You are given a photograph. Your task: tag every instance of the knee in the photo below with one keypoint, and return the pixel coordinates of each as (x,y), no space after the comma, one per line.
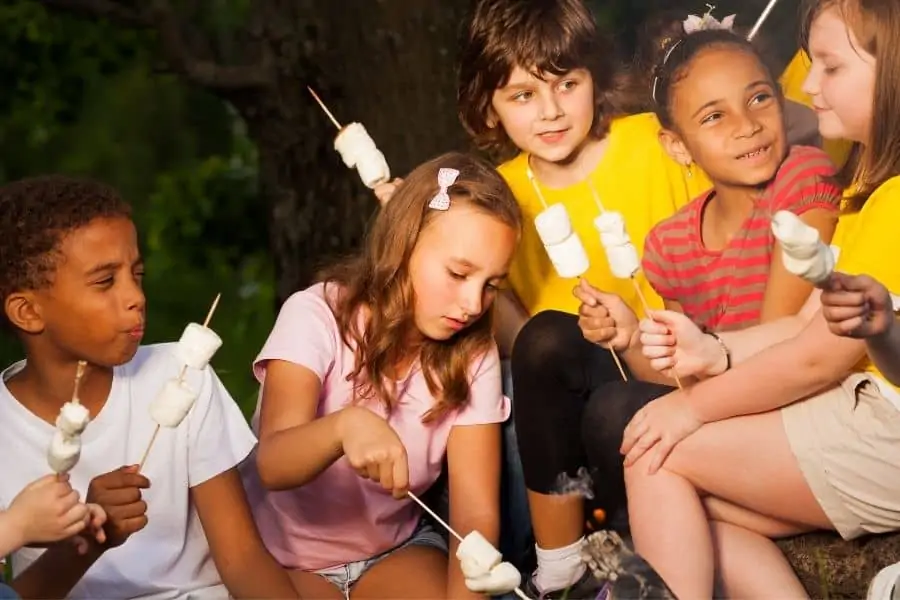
(546,338)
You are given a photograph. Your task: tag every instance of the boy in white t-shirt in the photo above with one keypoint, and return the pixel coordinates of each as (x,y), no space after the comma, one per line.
(70,283)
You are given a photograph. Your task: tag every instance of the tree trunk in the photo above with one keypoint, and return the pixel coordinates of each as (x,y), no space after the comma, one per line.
(388,65)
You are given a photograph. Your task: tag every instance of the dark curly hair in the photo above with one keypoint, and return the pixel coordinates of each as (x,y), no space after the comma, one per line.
(35,214)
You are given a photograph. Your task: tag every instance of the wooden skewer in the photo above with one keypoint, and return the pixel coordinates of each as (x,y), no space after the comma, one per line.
(761,20)
(181,375)
(79,373)
(446,526)
(649,314)
(325,108)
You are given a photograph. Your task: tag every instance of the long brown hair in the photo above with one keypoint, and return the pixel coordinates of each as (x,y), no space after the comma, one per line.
(876,26)
(542,37)
(375,303)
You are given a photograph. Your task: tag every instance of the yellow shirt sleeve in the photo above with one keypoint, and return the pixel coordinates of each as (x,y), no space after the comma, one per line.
(636,178)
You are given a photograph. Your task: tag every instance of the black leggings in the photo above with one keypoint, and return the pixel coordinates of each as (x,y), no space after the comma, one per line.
(571,407)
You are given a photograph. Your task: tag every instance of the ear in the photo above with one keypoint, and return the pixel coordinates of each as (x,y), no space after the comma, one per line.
(675,148)
(24,312)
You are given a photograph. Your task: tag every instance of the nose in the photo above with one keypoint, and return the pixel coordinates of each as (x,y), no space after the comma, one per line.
(472,301)
(748,126)
(811,83)
(134,296)
(550,106)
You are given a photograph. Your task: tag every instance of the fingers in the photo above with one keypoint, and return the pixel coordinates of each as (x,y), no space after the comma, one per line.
(132,525)
(661,452)
(118,497)
(844,299)
(76,512)
(400,476)
(640,447)
(651,327)
(118,514)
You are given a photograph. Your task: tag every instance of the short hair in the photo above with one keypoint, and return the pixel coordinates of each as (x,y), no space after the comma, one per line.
(541,36)
(35,215)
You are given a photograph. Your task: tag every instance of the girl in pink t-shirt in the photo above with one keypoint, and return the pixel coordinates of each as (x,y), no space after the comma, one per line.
(372,376)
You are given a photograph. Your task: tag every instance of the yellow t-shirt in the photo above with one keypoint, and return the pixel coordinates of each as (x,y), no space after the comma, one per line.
(792,85)
(869,244)
(636,178)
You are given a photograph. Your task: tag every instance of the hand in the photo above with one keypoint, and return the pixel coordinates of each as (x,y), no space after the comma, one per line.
(604,318)
(93,535)
(47,510)
(659,426)
(671,341)
(384,191)
(374,450)
(857,306)
(119,494)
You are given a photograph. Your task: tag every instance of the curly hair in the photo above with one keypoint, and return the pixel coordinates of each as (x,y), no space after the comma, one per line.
(376,283)
(35,214)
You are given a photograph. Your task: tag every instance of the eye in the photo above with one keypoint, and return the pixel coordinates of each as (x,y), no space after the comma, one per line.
(106,282)
(568,84)
(523,96)
(711,118)
(761,98)
(454,275)
(830,70)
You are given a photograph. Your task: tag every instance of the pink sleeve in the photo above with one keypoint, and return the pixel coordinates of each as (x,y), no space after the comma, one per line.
(487,404)
(305,333)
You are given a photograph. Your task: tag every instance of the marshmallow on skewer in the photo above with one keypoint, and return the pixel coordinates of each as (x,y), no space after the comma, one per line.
(65,446)
(358,150)
(172,404)
(64,452)
(481,564)
(197,346)
(802,250)
(563,245)
(620,252)
(502,579)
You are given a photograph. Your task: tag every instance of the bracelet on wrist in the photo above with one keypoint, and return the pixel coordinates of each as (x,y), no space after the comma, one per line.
(724,349)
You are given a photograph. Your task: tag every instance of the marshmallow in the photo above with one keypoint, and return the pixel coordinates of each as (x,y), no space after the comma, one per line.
(197,346)
(64,452)
(72,419)
(358,150)
(621,254)
(563,245)
(477,556)
(802,251)
(172,404)
(502,579)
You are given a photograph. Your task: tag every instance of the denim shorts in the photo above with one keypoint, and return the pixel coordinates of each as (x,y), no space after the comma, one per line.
(345,576)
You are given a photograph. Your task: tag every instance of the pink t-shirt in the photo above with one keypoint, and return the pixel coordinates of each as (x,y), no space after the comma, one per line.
(340,517)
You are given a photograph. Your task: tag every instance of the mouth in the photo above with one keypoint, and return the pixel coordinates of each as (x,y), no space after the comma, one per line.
(554,136)
(136,332)
(455,324)
(758,153)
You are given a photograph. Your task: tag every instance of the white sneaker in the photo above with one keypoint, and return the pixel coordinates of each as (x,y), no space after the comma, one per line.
(886,584)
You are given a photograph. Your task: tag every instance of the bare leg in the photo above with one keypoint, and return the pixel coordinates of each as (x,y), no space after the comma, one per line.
(310,585)
(746,461)
(413,572)
(751,566)
(557,520)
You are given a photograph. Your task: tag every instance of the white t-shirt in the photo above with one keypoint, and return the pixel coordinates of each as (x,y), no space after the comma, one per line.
(170,557)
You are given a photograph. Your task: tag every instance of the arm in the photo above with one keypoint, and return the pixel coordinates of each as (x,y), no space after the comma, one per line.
(781,375)
(510,317)
(11,536)
(288,424)
(56,572)
(786,293)
(247,568)
(473,467)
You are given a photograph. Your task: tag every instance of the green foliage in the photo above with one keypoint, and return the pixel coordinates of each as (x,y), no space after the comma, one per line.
(83,98)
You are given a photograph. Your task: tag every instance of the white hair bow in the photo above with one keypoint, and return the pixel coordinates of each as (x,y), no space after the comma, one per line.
(446,178)
(694,23)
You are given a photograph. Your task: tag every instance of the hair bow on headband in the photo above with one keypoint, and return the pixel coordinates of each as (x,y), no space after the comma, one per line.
(446,178)
(694,23)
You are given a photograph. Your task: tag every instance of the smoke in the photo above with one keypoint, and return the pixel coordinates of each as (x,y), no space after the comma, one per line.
(580,485)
